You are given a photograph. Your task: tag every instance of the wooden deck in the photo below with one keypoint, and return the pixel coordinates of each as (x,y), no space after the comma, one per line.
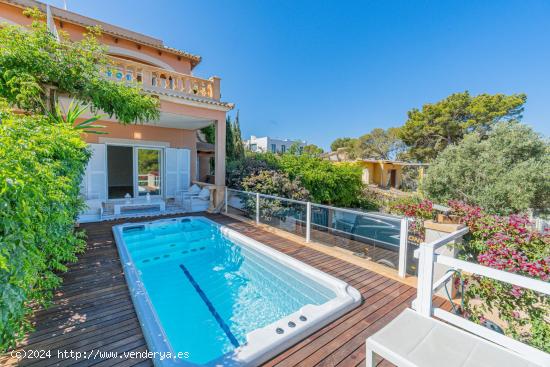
(93,309)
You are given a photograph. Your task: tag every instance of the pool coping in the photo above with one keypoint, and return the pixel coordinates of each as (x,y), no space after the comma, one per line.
(257,349)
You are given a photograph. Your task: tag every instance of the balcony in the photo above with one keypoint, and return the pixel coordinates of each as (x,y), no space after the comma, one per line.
(155,79)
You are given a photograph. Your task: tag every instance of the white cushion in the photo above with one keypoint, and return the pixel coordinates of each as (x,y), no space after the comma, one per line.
(204,194)
(195,189)
(415,340)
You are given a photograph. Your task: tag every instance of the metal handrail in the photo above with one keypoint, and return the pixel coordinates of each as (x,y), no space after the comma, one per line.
(403,225)
(358,212)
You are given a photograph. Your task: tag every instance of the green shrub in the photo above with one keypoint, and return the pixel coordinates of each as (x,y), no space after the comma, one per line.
(328,183)
(41,166)
(253,164)
(277,184)
(506,172)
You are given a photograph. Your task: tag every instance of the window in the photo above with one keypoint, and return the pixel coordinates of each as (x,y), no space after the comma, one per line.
(253,147)
(273,148)
(283,148)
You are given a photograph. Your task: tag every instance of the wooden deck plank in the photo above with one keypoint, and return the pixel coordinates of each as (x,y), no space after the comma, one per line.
(93,309)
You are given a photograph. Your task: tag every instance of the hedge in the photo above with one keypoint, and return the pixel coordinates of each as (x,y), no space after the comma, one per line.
(41,167)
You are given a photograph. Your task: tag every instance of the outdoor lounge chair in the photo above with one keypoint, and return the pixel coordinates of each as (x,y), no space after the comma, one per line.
(418,338)
(200,202)
(194,190)
(414,340)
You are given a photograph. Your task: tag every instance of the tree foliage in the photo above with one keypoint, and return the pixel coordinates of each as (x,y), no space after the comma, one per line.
(251,165)
(377,144)
(33,64)
(272,182)
(327,183)
(382,144)
(352,147)
(506,171)
(312,150)
(238,145)
(234,147)
(41,166)
(276,183)
(229,140)
(429,131)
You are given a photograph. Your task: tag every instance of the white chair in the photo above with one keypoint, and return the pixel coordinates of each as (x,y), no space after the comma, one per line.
(94,205)
(194,190)
(200,202)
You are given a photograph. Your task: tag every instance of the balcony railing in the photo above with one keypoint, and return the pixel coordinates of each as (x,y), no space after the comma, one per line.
(152,77)
(377,237)
(428,285)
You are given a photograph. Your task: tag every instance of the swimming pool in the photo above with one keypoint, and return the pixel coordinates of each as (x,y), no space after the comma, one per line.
(217,297)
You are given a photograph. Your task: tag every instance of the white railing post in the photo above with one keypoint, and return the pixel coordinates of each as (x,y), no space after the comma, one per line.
(308,221)
(226,199)
(403,236)
(425,279)
(257,208)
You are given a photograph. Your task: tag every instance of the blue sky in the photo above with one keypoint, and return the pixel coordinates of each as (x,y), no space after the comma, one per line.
(318,70)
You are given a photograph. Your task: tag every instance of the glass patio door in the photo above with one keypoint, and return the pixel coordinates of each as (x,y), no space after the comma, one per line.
(148,170)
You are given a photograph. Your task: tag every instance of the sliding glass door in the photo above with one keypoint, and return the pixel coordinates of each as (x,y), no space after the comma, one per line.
(134,171)
(148,169)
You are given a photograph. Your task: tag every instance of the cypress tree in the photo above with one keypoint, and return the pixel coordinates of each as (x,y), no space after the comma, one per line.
(238,146)
(229,140)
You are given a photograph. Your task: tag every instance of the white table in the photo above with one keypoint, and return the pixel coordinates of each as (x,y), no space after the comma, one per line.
(160,203)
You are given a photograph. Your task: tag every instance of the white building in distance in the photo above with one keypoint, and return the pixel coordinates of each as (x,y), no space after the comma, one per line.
(273,145)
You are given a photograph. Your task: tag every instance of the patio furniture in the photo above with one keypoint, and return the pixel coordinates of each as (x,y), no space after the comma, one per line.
(183,195)
(414,340)
(139,203)
(94,207)
(200,202)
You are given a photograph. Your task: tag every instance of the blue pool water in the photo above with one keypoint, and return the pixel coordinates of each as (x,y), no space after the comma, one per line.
(209,292)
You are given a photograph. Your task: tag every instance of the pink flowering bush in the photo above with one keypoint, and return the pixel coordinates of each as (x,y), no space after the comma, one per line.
(419,211)
(507,243)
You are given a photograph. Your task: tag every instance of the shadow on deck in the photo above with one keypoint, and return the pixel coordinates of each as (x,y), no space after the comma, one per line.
(93,310)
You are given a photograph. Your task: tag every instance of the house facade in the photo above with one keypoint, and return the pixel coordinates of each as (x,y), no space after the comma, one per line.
(158,158)
(273,145)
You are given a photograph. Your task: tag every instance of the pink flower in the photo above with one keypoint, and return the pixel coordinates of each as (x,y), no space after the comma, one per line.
(516,291)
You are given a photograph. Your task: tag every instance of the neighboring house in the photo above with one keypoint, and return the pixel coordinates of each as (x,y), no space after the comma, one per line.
(383,173)
(386,173)
(158,157)
(272,145)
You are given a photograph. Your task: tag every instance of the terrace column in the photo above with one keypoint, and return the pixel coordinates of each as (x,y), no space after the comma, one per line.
(219,180)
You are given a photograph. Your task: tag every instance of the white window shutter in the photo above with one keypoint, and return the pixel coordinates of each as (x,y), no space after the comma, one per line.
(177,171)
(171,172)
(185,167)
(96,173)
